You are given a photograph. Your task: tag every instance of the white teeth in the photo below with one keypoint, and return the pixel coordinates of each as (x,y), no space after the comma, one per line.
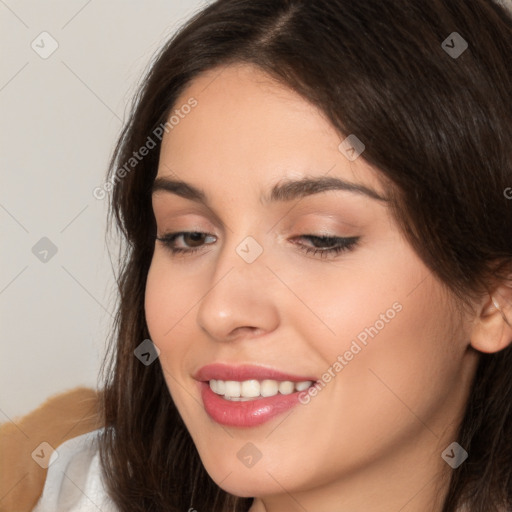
(213,386)
(250,388)
(269,388)
(221,387)
(286,387)
(302,386)
(242,391)
(233,388)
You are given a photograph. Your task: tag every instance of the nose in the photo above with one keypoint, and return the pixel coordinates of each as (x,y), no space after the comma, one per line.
(240,298)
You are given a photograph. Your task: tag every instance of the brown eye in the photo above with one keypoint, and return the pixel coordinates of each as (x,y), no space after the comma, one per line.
(193,241)
(193,238)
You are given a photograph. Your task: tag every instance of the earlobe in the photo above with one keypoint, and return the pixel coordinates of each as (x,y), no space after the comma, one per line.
(492,330)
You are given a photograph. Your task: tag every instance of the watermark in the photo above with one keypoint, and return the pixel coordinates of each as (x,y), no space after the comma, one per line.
(344,359)
(44,250)
(351,147)
(454,45)
(249,455)
(44,45)
(508,193)
(249,249)
(454,455)
(147,352)
(150,143)
(45,455)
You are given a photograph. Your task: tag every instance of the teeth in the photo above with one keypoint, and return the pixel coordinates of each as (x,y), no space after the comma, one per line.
(221,387)
(269,388)
(249,389)
(286,387)
(302,386)
(233,388)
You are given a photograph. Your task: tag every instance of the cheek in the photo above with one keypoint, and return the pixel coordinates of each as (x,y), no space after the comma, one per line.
(165,303)
(165,311)
(405,370)
(367,298)
(156,302)
(400,359)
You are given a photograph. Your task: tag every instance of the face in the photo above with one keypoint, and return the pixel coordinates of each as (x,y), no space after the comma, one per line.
(317,284)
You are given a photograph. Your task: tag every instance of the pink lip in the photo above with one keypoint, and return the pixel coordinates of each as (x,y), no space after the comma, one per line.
(245,372)
(250,413)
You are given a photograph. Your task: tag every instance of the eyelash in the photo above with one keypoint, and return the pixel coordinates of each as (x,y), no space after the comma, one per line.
(343,244)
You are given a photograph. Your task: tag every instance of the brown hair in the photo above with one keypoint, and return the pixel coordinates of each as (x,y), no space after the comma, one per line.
(437,127)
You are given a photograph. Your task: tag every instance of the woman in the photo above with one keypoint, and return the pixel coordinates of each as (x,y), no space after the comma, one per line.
(316,295)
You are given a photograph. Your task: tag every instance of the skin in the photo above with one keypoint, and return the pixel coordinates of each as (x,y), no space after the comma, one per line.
(372,438)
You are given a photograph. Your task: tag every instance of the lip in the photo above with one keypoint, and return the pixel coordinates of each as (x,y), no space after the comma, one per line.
(221,371)
(250,413)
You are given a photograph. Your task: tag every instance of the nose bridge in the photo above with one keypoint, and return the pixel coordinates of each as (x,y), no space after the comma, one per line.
(239,295)
(243,251)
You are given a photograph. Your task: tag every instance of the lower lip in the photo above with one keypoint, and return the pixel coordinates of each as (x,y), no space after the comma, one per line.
(250,413)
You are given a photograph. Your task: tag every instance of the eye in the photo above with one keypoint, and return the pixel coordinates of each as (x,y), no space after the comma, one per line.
(192,237)
(329,245)
(325,246)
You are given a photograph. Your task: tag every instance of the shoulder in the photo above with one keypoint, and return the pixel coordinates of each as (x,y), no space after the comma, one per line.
(75,482)
(27,443)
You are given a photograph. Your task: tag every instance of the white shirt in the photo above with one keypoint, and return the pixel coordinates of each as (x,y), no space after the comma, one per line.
(74,480)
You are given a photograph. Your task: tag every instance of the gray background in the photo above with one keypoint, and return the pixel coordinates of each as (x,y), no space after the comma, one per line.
(60,118)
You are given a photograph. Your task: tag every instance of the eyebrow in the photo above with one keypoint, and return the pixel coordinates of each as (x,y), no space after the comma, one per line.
(285,191)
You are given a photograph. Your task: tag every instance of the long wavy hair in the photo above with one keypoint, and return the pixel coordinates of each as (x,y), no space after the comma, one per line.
(438,128)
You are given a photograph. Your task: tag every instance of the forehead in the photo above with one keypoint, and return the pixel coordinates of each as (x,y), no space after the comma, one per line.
(249,129)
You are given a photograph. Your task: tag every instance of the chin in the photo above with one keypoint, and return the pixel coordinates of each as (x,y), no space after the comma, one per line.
(244,488)
(244,483)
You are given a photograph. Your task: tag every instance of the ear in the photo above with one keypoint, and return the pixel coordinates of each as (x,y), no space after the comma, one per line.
(492,329)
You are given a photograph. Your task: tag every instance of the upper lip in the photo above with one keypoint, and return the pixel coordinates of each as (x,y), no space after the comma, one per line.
(221,371)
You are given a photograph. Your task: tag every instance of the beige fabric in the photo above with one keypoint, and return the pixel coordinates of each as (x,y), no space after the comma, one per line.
(61,417)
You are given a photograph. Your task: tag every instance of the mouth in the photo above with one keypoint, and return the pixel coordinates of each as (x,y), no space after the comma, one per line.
(248,395)
(254,389)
